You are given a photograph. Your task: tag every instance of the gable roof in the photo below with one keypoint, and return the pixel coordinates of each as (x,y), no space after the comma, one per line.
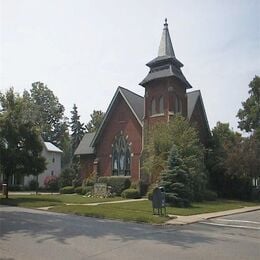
(51,147)
(85,145)
(192,98)
(135,103)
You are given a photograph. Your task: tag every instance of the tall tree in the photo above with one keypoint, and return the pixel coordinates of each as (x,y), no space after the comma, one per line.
(20,146)
(49,113)
(96,120)
(230,169)
(249,115)
(77,128)
(177,132)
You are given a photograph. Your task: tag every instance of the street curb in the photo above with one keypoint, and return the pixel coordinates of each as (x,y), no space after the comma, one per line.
(185,220)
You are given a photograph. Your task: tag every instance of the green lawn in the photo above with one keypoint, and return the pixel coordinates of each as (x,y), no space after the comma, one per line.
(138,211)
(42,200)
(141,211)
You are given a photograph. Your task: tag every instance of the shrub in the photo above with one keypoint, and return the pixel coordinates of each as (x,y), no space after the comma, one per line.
(118,184)
(141,186)
(210,195)
(67,190)
(78,190)
(87,190)
(130,194)
(15,188)
(33,185)
(150,195)
(66,177)
(51,183)
(90,181)
(176,201)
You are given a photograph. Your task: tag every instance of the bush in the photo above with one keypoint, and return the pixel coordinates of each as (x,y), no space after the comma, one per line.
(176,201)
(118,184)
(67,190)
(66,177)
(150,195)
(87,190)
(210,195)
(15,188)
(78,190)
(131,194)
(141,186)
(33,185)
(90,181)
(51,183)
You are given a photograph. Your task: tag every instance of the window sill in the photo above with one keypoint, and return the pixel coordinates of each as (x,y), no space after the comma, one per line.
(156,115)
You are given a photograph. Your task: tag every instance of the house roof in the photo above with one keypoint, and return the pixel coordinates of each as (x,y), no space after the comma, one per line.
(192,98)
(52,148)
(85,144)
(135,103)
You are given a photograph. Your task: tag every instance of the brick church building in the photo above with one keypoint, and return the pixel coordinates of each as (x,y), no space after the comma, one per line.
(116,148)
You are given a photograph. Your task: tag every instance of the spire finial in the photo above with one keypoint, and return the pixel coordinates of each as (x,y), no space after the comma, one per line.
(165,22)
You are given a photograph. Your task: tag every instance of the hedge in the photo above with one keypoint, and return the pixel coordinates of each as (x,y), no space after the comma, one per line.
(78,190)
(131,194)
(118,184)
(67,190)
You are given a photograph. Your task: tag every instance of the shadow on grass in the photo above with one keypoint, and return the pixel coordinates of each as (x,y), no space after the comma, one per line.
(30,201)
(47,226)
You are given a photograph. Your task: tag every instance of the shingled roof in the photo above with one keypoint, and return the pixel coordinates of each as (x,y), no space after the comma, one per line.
(84,145)
(135,103)
(192,98)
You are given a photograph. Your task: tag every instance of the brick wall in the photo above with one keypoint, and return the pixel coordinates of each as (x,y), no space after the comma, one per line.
(120,119)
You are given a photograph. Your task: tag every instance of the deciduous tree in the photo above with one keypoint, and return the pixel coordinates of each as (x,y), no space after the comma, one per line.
(20,145)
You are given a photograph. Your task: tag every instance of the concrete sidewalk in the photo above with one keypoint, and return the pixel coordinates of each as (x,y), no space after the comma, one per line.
(183,220)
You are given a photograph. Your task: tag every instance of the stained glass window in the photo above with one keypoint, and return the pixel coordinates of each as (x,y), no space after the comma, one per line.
(121,159)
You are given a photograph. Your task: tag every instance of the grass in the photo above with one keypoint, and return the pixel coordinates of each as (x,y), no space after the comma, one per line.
(138,211)
(42,200)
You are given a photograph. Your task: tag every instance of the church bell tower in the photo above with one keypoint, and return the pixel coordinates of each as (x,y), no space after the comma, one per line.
(165,85)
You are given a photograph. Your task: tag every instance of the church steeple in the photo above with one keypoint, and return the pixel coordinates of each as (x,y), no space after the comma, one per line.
(165,48)
(165,65)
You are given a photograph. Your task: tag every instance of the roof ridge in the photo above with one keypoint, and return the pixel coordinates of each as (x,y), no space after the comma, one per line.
(130,91)
(197,90)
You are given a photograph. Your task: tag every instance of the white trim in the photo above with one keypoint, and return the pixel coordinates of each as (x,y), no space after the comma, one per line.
(158,114)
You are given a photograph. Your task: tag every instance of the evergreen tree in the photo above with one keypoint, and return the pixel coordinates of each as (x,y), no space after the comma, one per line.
(180,133)
(96,120)
(77,128)
(176,180)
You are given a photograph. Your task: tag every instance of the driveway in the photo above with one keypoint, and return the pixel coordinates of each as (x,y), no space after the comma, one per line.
(33,234)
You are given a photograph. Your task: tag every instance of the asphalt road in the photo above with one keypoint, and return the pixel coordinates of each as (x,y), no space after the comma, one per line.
(32,234)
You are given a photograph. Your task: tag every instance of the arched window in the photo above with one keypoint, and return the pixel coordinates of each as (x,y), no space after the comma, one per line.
(176,109)
(121,159)
(153,107)
(180,106)
(161,105)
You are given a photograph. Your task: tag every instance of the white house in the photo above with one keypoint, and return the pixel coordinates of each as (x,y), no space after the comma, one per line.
(52,154)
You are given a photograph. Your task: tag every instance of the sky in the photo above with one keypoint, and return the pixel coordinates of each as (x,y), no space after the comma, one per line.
(83,50)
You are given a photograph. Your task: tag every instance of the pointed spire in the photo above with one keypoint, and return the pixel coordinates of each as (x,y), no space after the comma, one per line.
(165,48)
